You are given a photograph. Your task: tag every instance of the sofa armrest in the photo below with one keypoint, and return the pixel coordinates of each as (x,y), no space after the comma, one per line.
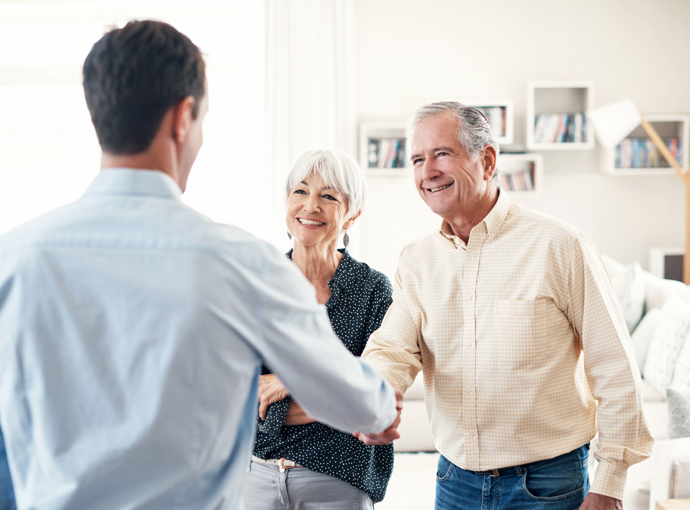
(680,479)
(664,456)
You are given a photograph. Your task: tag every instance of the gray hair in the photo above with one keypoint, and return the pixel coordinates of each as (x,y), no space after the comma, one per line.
(474,132)
(338,171)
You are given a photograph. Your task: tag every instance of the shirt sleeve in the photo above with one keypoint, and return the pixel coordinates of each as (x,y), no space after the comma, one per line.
(394,347)
(612,375)
(275,417)
(7,501)
(296,340)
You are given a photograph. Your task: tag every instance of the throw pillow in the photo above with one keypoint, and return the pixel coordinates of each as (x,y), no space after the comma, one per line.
(670,333)
(657,290)
(643,334)
(629,287)
(678,402)
(681,375)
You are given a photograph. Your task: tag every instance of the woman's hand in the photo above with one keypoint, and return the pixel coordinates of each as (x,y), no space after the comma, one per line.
(270,390)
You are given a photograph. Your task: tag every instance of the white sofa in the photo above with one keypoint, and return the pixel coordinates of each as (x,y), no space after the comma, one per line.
(666,474)
(414,429)
(658,314)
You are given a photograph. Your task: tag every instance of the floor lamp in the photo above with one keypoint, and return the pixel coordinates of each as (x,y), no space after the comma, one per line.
(612,123)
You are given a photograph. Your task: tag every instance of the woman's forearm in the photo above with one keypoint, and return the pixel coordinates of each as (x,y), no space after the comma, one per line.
(297,416)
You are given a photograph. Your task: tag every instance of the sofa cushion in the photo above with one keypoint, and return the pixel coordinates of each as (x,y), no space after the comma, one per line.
(678,402)
(669,335)
(415,431)
(629,286)
(643,334)
(649,394)
(681,375)
(658,290)
(656,416)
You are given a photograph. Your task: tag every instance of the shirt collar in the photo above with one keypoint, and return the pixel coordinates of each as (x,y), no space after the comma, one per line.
(493,222)
(129,181)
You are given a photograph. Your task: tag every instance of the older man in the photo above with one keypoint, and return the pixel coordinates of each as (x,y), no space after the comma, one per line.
(512,316)
(133,329)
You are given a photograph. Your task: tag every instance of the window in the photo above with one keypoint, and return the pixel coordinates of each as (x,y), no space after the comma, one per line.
(48,148)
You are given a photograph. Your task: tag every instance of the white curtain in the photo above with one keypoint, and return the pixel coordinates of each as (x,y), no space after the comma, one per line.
(310,88)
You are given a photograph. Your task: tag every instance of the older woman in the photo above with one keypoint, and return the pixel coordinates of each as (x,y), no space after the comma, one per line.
(299,463)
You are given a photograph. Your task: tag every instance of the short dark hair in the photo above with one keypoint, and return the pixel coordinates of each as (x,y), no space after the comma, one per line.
(133,75)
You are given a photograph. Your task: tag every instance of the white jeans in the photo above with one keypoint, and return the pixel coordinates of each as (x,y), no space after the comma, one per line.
(266,488)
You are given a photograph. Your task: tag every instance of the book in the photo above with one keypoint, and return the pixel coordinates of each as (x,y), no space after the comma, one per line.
(384,148)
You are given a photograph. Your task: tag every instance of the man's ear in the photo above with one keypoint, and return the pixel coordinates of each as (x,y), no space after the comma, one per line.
(489,159)
(182,119)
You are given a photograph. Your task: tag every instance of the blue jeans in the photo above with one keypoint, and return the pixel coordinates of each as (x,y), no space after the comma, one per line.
(6,490)
(560,483)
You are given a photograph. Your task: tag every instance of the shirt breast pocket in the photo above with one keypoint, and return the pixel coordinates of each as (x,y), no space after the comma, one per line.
(528,332)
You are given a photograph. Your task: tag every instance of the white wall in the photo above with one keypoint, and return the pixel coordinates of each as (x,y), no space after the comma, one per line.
(411,52)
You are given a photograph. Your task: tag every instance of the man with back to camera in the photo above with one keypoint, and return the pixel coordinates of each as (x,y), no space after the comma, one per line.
(512,316)
(132,329)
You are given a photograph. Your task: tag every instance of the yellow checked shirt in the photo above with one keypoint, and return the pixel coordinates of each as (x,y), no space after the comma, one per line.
(523,346)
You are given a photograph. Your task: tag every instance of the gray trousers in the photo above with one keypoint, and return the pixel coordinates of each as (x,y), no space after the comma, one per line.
(266,488)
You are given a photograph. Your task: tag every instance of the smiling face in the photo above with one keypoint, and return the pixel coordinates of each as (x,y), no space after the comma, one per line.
(452,185)
(316,213)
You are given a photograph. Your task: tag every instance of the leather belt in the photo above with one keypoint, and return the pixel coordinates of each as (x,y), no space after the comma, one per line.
(282,463)
(513,470)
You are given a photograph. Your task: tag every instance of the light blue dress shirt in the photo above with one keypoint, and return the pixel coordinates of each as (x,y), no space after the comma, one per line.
(132,330)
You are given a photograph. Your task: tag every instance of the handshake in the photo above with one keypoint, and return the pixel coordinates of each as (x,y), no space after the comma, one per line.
(391,433)
(271,390)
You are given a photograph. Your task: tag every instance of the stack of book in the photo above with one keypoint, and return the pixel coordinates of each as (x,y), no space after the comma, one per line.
(386,153)
(496,116)
(642,153)
(560,128)
(516,181)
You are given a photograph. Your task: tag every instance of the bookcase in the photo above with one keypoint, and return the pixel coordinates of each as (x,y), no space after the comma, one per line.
(637,155)
(383,148)
(521,174)
(500,115)
(556,115)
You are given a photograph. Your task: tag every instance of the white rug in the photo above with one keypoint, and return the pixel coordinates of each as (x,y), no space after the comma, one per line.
(413,484)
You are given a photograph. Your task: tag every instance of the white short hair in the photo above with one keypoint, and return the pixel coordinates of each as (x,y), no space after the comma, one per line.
(338,170)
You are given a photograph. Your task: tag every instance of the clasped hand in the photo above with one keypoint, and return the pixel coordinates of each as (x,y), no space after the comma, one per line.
(271,390)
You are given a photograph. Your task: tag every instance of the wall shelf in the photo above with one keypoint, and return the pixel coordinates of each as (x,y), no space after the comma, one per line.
(521,175)
(638,156)
(500,114)
(556,115)
(383,148)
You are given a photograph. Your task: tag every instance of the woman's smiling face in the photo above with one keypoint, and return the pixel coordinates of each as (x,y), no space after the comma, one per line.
(316,213)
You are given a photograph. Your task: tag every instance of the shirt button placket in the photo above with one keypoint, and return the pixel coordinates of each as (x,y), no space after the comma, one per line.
(469,406)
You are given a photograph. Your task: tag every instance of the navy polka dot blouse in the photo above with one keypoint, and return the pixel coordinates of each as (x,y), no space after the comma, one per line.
(361,296)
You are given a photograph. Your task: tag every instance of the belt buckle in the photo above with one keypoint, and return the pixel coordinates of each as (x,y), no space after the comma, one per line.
(283,466)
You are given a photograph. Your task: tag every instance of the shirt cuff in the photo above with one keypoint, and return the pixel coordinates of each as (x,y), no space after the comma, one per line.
(275,417)
(609,479)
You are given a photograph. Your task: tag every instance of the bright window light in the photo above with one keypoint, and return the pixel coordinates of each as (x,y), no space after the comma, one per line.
(48,148)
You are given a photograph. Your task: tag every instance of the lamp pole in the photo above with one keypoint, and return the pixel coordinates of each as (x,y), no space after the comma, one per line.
(685,178)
